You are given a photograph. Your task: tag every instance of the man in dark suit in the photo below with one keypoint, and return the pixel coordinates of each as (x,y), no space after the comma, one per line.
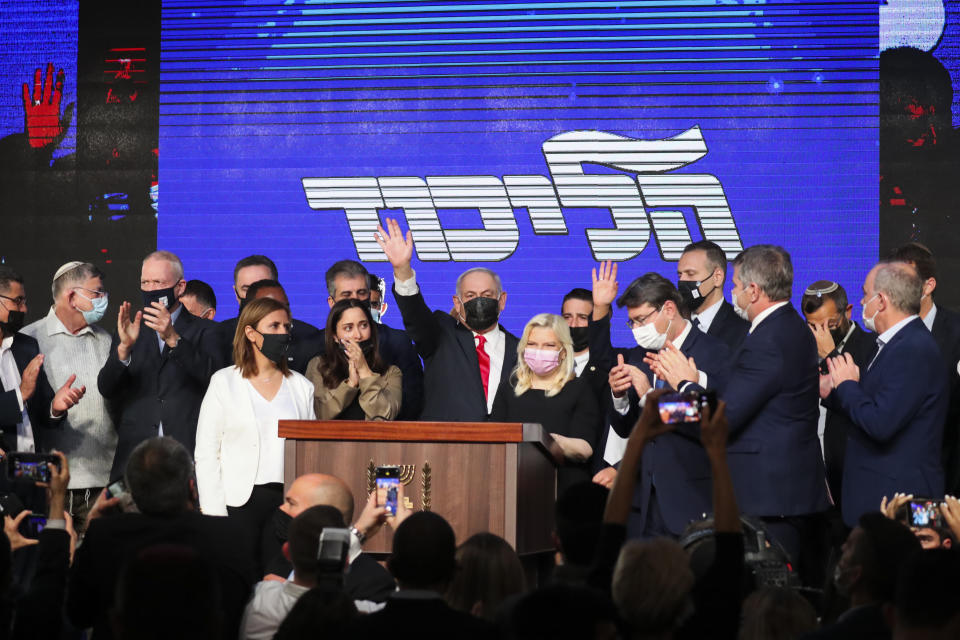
(944,324)
(897,405)
(350,279)
(160,362)
(161,482)
(423,562)
(465,358)
(577,309)
(28,404)
(827,311)
(771,396)
(702,270)
(307,340)
(674,486)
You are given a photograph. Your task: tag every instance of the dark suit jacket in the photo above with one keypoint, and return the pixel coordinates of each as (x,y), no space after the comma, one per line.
(728,327)
(396,349)
(772,395)
(157,386)
(25,349)
(38,609)
(595,374)
(307,343)
(453,389)
(862,623)
(111,540)
(898,410)
(946,331)
(675,464)
(862,346)
(422,618)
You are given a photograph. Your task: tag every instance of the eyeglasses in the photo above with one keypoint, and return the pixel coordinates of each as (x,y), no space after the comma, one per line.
(97,293)
(632,324)
(18,301)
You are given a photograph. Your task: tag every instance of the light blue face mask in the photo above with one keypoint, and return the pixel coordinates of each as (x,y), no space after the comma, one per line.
(375,314)
(99,308)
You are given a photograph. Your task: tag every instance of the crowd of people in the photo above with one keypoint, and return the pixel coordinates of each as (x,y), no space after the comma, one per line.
(745,469)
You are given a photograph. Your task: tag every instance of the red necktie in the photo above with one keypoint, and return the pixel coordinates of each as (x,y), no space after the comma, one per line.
(484,361)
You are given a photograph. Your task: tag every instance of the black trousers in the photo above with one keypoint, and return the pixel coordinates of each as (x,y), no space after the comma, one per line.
(251,517)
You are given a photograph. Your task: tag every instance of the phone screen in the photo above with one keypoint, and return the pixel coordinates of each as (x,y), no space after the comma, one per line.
(33,470)
(676,408)
(924,513)
(388,481)
(116,489)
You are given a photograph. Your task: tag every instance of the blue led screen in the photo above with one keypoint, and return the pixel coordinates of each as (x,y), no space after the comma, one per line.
(534,138)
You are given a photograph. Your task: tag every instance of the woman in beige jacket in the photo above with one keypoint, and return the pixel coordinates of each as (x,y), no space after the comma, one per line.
(351,381)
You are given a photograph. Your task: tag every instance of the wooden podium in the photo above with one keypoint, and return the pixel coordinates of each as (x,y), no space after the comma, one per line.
(480,476)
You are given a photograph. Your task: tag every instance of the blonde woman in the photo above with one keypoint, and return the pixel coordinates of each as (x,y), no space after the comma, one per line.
(239,456)
(544,389)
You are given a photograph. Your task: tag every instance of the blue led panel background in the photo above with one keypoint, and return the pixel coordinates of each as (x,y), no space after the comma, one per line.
(438,112)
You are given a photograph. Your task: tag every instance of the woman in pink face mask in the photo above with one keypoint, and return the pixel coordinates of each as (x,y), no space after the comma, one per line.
(544,389)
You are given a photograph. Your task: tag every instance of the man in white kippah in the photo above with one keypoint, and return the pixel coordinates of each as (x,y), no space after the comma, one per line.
(73,344)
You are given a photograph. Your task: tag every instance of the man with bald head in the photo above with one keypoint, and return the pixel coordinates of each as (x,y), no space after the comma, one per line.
(365,578)
(307,339)
(898,404)
(160,362)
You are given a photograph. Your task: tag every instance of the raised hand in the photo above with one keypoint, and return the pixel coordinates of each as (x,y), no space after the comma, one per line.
(605,288)
(67,396)
(127,330)
(157,317)
(11,526)
(42,109)
(397,247)
(950,509)
(649,425)
(890,507)
(28,379)
(825,343)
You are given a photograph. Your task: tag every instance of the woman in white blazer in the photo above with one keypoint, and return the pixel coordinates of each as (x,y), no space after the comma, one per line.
(239,455)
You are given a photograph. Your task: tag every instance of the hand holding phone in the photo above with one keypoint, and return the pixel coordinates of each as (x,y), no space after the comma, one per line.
(388,481)
(30,467)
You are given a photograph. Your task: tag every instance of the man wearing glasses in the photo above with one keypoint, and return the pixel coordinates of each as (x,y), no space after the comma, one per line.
(74,344)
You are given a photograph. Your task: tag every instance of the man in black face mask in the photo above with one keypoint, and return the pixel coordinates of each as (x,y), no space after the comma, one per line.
(160,362)
(827,312)
(465,357)
(702,270)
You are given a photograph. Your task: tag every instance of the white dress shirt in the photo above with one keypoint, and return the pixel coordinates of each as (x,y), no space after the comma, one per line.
(884,338)
(495,345)
(267,414)
(580,362)
(10,376)
(930,317)
(705,317)
(763,315)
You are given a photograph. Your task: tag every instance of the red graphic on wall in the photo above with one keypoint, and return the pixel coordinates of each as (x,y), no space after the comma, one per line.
(42,108)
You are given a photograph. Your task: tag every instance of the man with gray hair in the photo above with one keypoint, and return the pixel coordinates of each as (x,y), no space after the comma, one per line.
(74,344)
(772,407)
(466,355)
(160,362)
(898,404)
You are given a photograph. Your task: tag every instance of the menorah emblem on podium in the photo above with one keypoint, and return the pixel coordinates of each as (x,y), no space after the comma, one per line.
(407,474)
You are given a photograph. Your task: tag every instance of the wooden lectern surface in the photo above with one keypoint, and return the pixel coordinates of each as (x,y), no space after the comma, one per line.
(497,477)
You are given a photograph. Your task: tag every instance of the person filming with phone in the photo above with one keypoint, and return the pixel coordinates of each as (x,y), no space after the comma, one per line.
(351,380)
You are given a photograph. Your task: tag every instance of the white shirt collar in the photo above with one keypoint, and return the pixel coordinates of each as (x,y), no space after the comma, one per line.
(683,335)
(930,317)
(763,315)
(494,338)
(887,335)
(6,344)
(580,362)
(55,325)
(705,317)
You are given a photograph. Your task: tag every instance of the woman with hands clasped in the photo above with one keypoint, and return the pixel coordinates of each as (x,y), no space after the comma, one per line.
(350,379)
(544,389)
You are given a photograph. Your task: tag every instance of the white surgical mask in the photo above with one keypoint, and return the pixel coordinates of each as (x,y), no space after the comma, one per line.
(648,337)
(740,311)
(870,324)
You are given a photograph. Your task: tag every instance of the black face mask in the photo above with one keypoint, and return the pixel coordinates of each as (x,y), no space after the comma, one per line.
(275,346)
(580,337)
(690,293)
(166,297)
(839,334)
(481,313)
(14,322)
(281,524)
(243,302)
(367,346)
